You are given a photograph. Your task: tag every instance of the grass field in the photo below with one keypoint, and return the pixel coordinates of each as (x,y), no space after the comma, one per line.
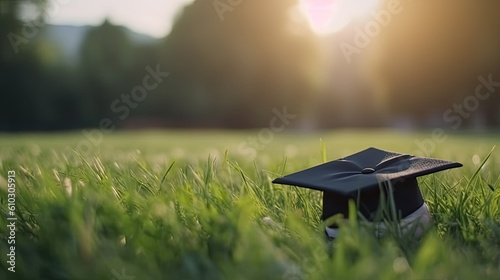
(200,205)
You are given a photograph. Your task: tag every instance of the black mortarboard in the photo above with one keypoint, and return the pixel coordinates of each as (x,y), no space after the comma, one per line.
(364,176)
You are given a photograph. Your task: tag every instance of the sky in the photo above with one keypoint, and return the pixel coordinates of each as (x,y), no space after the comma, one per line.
(152,17)
(155,17)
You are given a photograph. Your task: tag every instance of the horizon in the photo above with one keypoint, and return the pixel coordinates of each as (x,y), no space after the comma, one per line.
(138,17)
(155,18)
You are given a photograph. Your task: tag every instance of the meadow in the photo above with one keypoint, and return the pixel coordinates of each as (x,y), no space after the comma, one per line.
(201,205)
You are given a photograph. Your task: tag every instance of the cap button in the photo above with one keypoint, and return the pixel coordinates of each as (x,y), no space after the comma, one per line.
(367,170)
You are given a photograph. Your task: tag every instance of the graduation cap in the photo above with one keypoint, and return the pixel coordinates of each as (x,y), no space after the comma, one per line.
(365,178)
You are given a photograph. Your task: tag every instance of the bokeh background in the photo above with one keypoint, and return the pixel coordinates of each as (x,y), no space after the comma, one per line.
(232,64)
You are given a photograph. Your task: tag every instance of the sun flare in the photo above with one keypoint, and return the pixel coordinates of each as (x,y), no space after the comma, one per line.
(328,16)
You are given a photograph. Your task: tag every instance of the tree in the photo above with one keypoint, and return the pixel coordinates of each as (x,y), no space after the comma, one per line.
(231,65)
(430,58)
(106,61)
(18,61)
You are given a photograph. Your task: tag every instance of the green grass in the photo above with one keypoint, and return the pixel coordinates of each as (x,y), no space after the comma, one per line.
(191,205)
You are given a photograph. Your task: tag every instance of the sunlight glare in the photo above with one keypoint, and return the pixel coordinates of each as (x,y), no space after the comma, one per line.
(328,16)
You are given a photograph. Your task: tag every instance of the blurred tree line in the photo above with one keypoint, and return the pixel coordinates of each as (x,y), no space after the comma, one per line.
(230,66)
(228,72)
(439,61)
